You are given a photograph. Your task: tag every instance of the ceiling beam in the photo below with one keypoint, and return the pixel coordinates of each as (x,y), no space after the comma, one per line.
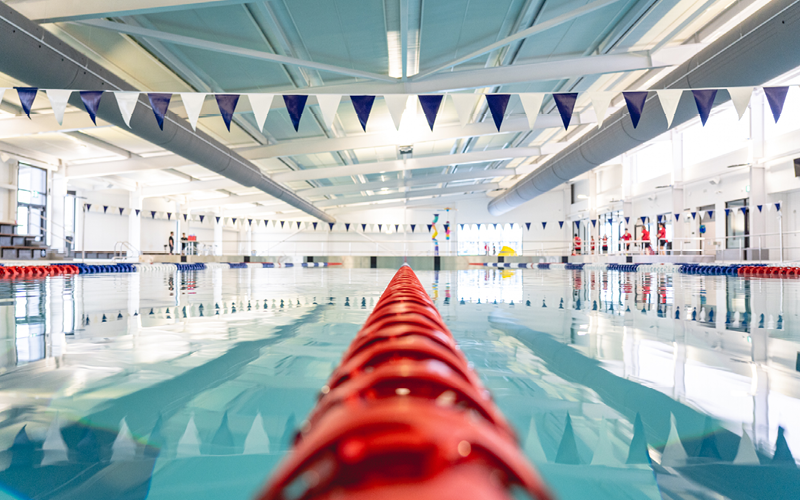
(408,182)
(519,73)
(263,199)
(51,11)
(125,166)
(409,164)
(98,143)
(188,187)
(46,124)
(533,30)
(411,194)
(198,43)
(441,201)
(391,138)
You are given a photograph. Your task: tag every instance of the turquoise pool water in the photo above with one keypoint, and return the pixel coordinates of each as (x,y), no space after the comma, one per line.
(191,384)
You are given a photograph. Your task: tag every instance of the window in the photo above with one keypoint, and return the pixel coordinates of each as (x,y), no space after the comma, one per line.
(31,200)
(489,239)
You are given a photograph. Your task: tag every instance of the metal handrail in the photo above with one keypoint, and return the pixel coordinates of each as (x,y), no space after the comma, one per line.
(122,245)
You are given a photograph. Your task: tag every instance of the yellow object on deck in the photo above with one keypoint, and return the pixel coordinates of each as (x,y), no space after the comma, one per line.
(507,252)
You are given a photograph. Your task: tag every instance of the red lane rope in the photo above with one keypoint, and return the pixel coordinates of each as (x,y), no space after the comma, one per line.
(404,417)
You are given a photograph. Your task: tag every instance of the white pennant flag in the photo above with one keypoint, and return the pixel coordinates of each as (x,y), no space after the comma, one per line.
(669,102)
(465,105)
(58,101)
(532,104)
(741,98)
(396,104)
(193,103)
(260,104)
(328,105)
(127,103)
(600,102)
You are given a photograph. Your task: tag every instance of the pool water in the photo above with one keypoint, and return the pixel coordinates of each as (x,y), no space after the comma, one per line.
(192,384)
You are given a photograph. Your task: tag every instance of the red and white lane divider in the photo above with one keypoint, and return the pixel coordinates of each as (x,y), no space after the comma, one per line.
(404,417)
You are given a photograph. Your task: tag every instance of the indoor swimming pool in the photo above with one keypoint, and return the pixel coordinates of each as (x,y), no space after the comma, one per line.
(191,385)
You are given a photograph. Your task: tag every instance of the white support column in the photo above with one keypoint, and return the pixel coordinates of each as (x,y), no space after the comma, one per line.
(758,189)
(178,226)
(55,205)
(134,220)
(678,202)
(593,229)
(218,234)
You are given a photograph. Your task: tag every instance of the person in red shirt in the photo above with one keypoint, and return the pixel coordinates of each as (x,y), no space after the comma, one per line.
(662,239)
(627,239)
(646,240)
(605,244)
(577,245)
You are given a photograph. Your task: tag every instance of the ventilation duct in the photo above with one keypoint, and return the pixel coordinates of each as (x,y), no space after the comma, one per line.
(35,56)
(762,47)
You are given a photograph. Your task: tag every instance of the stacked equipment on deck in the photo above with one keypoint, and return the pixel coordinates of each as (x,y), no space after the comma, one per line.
(404,416)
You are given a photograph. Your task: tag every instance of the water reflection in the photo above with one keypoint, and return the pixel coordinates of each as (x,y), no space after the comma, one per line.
(192,384)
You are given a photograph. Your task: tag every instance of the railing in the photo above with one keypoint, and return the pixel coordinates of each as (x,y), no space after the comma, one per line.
(124,246)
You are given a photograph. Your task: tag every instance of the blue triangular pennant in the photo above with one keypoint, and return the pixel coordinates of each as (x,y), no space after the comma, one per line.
(638,453)
(201,218)
(635,102)
(776,96)
(497,105)
(330,225)
(565,104)
(397,227)
(778,207)
(743,209)
(430,107)
(783,455)
(380,227)
(346,226)
(227,106)
(727,212)
(568,448)
(363,106)
(677,216)
(710,213)
(643,219)
(659,218)
(429,227)
(462,226)
(413,226)
(594,222)
(282,223)
(561,224)
(363,227)
(153,214)
(295,104)
(249,222)
(217,219)
(121,210)
(185,217)
(578,224)
(315,225)
(544,225)
(105,208)
(298,224)
(266,222)
(760,207)
(627,220)
(694,215)
(160,105)
(137,212)
(527,224)
(234,220)
(704,99)
(91,101)
(169,215)
(26,97)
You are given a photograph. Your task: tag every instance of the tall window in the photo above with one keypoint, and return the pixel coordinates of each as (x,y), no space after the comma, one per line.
(31,200)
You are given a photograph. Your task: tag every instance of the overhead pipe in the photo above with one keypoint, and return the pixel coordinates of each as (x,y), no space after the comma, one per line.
(33,55)
(762,47)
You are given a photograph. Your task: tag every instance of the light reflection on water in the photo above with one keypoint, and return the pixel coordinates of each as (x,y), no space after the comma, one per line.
(191,384)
